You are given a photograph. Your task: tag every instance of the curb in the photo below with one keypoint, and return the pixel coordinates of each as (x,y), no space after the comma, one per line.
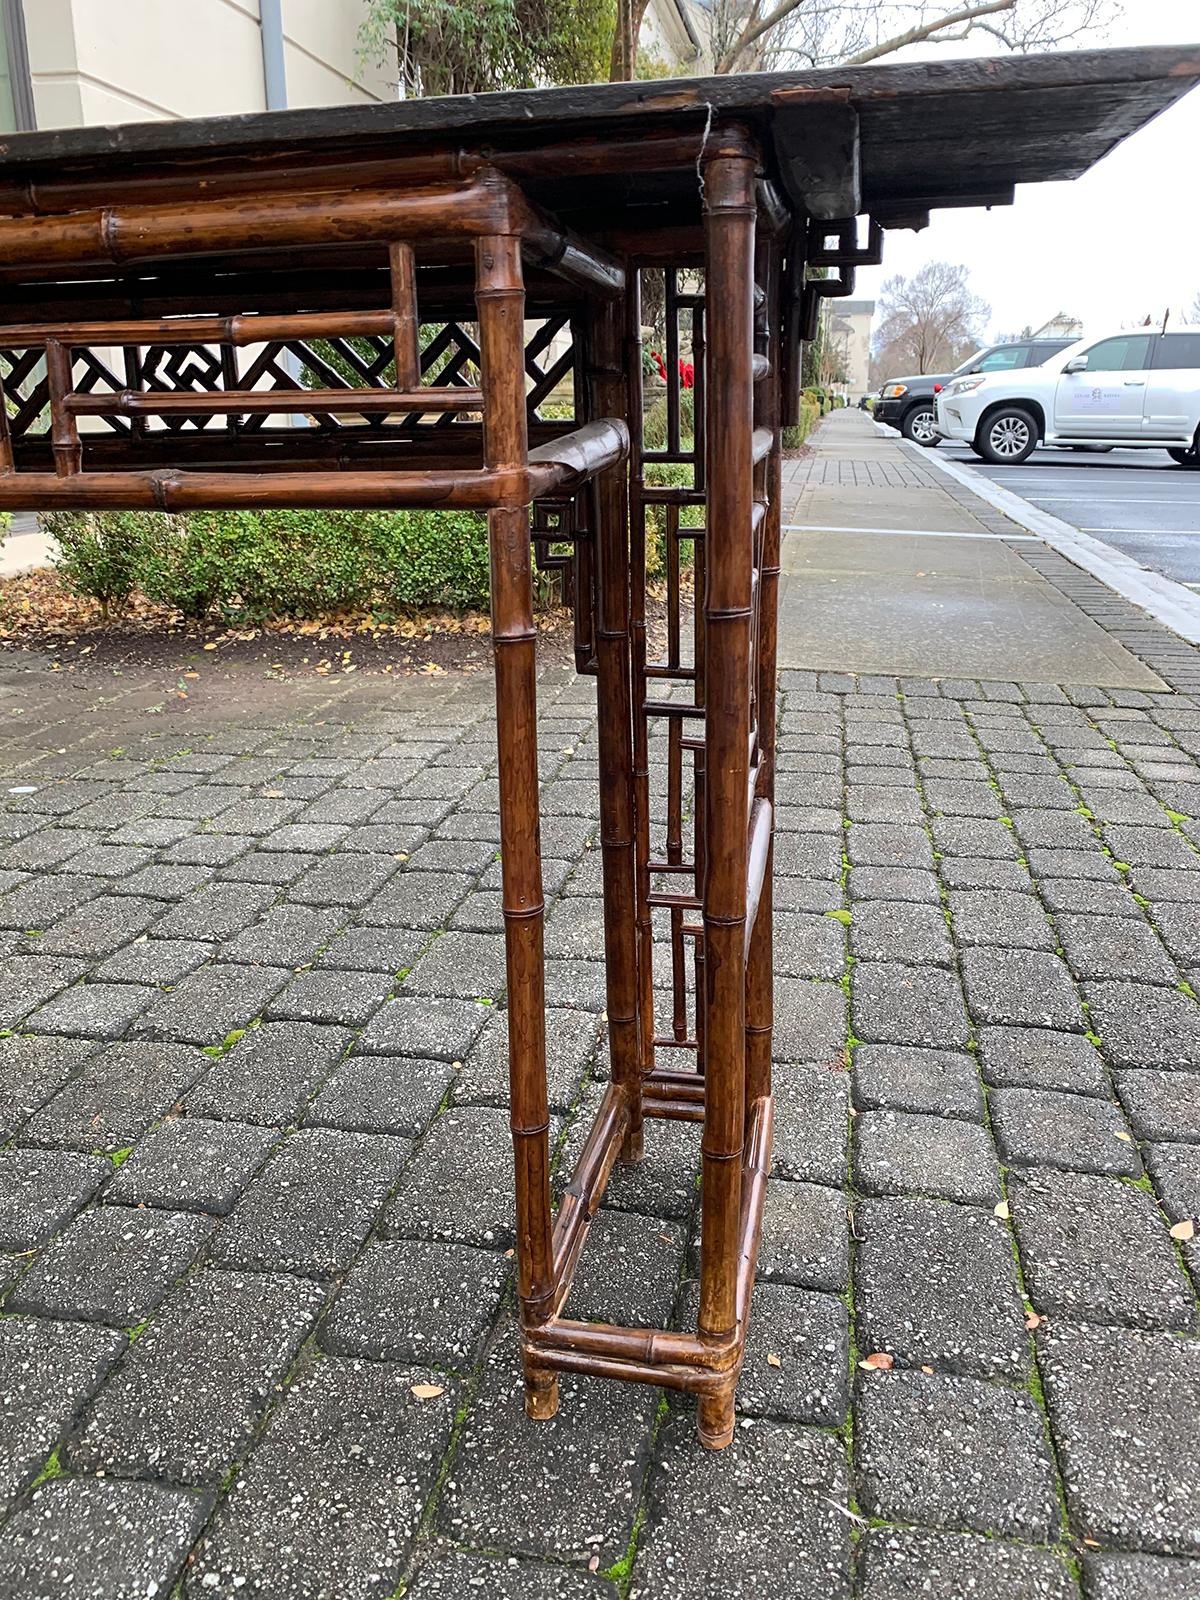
(1168,602)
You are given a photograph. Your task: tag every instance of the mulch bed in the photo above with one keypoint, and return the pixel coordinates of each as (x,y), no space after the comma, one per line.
(43,625)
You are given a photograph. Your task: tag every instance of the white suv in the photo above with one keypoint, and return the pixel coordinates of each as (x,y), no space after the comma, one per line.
(1139,388)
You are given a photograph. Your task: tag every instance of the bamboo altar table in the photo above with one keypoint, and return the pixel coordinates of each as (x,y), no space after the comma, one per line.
(411,285)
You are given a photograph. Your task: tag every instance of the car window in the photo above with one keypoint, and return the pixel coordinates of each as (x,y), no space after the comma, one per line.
(1127,353)
(1177,350)
(1041,353)
(1003,358)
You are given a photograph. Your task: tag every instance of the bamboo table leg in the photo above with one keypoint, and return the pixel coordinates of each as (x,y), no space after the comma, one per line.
(501,302)
(730,215)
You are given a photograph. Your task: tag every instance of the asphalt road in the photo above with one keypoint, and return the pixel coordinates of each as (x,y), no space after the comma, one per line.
(1137,500)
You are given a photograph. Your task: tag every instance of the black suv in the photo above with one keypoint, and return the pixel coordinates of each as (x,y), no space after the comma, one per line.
(907,403)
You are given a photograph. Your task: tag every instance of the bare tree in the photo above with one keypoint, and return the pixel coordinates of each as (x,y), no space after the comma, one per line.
(749,35)
(930,321)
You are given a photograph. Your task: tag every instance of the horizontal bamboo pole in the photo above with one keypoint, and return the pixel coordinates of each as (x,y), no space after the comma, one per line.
(203,178)
(562,464)
(486,203)
(239,330)
(672,1110)
(213,177)
(125,234)
(223,402)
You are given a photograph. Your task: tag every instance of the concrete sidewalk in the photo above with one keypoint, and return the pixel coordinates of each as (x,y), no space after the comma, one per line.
(890,567)
(23,545)
(257,1320)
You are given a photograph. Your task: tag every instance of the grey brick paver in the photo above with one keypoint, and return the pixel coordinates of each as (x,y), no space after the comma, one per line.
(313,1204)
(189,1163)
(907,1078)
(349,1211)
(330,1499)
(1139,1577)
(954,1452)
(902,1563)
(186,1397)
(41,1190)
(1080,1133)
(111,1265)
(47,1372)
(1096,1248)
(114,1096)
(444,1571)
(31,1071)
(1124,1406)
(896,1152)
(935,1286)
(567,1488)
(710,1528)
(269,1073)
(94,1540)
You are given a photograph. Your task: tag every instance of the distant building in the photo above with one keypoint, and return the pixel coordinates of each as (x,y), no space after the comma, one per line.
(849,332)
(670,35)
(1060,326)
(78,63)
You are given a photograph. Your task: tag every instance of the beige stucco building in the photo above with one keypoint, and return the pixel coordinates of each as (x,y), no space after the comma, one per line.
(74,63)
(850,332)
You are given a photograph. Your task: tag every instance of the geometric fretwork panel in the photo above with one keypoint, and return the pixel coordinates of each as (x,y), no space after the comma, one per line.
(450,358)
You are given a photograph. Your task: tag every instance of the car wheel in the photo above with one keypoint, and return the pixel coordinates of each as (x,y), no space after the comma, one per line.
(917,425)
(1008,437)
(1186,458)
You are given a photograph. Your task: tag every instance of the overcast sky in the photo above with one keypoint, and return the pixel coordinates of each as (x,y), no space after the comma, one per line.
(1118,244)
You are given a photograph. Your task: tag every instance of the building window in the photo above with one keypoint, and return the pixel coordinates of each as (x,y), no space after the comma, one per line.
(16,86)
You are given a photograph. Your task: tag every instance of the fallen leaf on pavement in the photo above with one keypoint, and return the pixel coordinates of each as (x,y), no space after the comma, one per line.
(773,1360)
(427,1391)
(1184,1230)
(1001,1210)
(879,1362)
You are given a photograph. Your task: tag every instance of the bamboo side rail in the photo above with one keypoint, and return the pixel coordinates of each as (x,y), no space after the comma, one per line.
(143,402)
(561,465)
(614,694)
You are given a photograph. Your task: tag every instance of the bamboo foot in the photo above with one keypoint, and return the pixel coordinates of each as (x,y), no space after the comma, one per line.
(541,1392)
(715,1420)
(633,1150)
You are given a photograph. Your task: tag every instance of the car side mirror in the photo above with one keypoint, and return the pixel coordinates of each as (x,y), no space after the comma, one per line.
(1076,364)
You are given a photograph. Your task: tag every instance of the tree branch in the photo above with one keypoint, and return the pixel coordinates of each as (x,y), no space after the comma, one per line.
(750,33)
(969,14)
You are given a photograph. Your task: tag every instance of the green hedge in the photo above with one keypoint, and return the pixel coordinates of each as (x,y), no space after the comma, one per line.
(810,415)
(248,566)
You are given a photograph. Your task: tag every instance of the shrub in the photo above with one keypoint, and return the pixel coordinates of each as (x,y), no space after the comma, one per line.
(431,557)
(654,423)
(810,413)
(99,554)
(181,564)
(669,475)
(249,566)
